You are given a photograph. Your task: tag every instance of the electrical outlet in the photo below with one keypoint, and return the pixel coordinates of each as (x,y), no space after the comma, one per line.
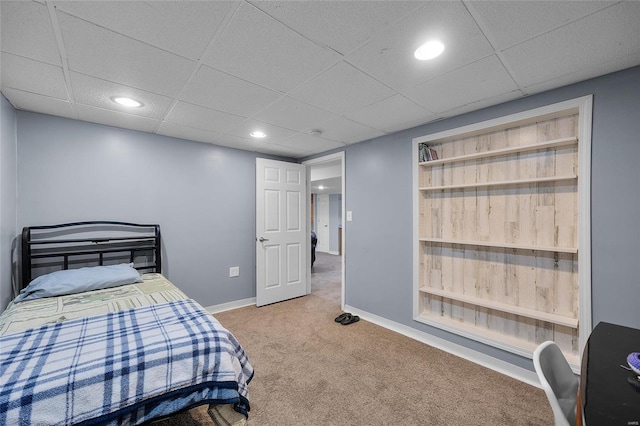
(234,271)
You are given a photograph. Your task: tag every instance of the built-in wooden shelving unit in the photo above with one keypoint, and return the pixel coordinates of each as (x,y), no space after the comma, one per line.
(499,233)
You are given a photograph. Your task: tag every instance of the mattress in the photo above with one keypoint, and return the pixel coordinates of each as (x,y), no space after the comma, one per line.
(155,289)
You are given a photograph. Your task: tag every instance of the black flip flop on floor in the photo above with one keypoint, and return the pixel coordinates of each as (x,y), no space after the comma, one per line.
(342,316)
(350,319)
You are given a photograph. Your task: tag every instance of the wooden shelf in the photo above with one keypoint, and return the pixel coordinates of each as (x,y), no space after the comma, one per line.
(504,307)
(500,183)
(501,245)
(556,143)
(494,338)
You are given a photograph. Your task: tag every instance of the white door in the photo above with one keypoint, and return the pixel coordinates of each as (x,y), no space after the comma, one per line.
(323,223)
(281,231)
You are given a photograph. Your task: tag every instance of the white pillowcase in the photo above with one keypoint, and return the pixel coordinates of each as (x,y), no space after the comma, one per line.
(78,280)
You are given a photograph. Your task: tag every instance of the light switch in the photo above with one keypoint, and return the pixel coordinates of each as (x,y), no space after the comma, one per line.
(349,216)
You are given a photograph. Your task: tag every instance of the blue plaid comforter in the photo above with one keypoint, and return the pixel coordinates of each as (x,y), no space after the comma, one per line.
(124,367)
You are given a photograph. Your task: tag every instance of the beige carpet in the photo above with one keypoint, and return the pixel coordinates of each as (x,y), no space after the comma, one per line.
(310,370)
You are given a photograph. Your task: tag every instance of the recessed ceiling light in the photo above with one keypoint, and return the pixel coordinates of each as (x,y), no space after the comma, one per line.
(258,134)
(429,50)
(128,102)
(321,187)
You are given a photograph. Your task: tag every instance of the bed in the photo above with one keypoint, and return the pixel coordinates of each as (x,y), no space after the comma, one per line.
(97,335)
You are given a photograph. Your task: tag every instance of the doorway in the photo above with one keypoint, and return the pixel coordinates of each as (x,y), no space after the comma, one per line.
(326,191)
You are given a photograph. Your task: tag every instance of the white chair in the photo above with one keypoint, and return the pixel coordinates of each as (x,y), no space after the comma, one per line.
(558,381)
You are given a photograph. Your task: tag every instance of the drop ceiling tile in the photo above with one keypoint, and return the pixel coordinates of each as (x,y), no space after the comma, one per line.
(585,74)
(179,131)
(342,25)
(508,23)
(27,101)
(483,103)
(274,133)
(183,28)
(389,58)
(95,92)
(605,36)
(284,151)
(26,30)
(32,76)
(198,117)
(257,48)
(235,142)
(484,78)
(306,144)
(214,89)
(293,114)
(116,119)
(231,141)
(341,90)
(96,51)
(347,131)
(392,114)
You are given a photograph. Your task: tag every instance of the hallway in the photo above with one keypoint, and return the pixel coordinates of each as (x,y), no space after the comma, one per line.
(326,275)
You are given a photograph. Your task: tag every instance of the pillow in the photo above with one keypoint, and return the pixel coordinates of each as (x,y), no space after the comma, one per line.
(78,280)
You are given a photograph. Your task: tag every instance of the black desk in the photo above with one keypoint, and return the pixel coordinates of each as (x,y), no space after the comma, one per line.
(606,396)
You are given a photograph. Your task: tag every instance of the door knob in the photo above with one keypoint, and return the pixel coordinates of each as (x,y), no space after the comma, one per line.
(263,239)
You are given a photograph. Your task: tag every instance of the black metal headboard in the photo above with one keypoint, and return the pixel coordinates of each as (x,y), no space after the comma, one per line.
(73,245)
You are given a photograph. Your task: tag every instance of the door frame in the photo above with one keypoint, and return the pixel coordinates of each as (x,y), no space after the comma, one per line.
(314,162)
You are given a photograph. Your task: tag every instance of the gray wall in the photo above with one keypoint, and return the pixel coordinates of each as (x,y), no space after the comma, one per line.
(8,182)
(379,239)
(202,195)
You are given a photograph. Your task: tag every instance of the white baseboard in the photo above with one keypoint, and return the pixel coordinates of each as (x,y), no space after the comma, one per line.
(490,362)
(216,309)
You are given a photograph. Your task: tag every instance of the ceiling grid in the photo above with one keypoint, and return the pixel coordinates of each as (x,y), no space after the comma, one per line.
(313,76)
